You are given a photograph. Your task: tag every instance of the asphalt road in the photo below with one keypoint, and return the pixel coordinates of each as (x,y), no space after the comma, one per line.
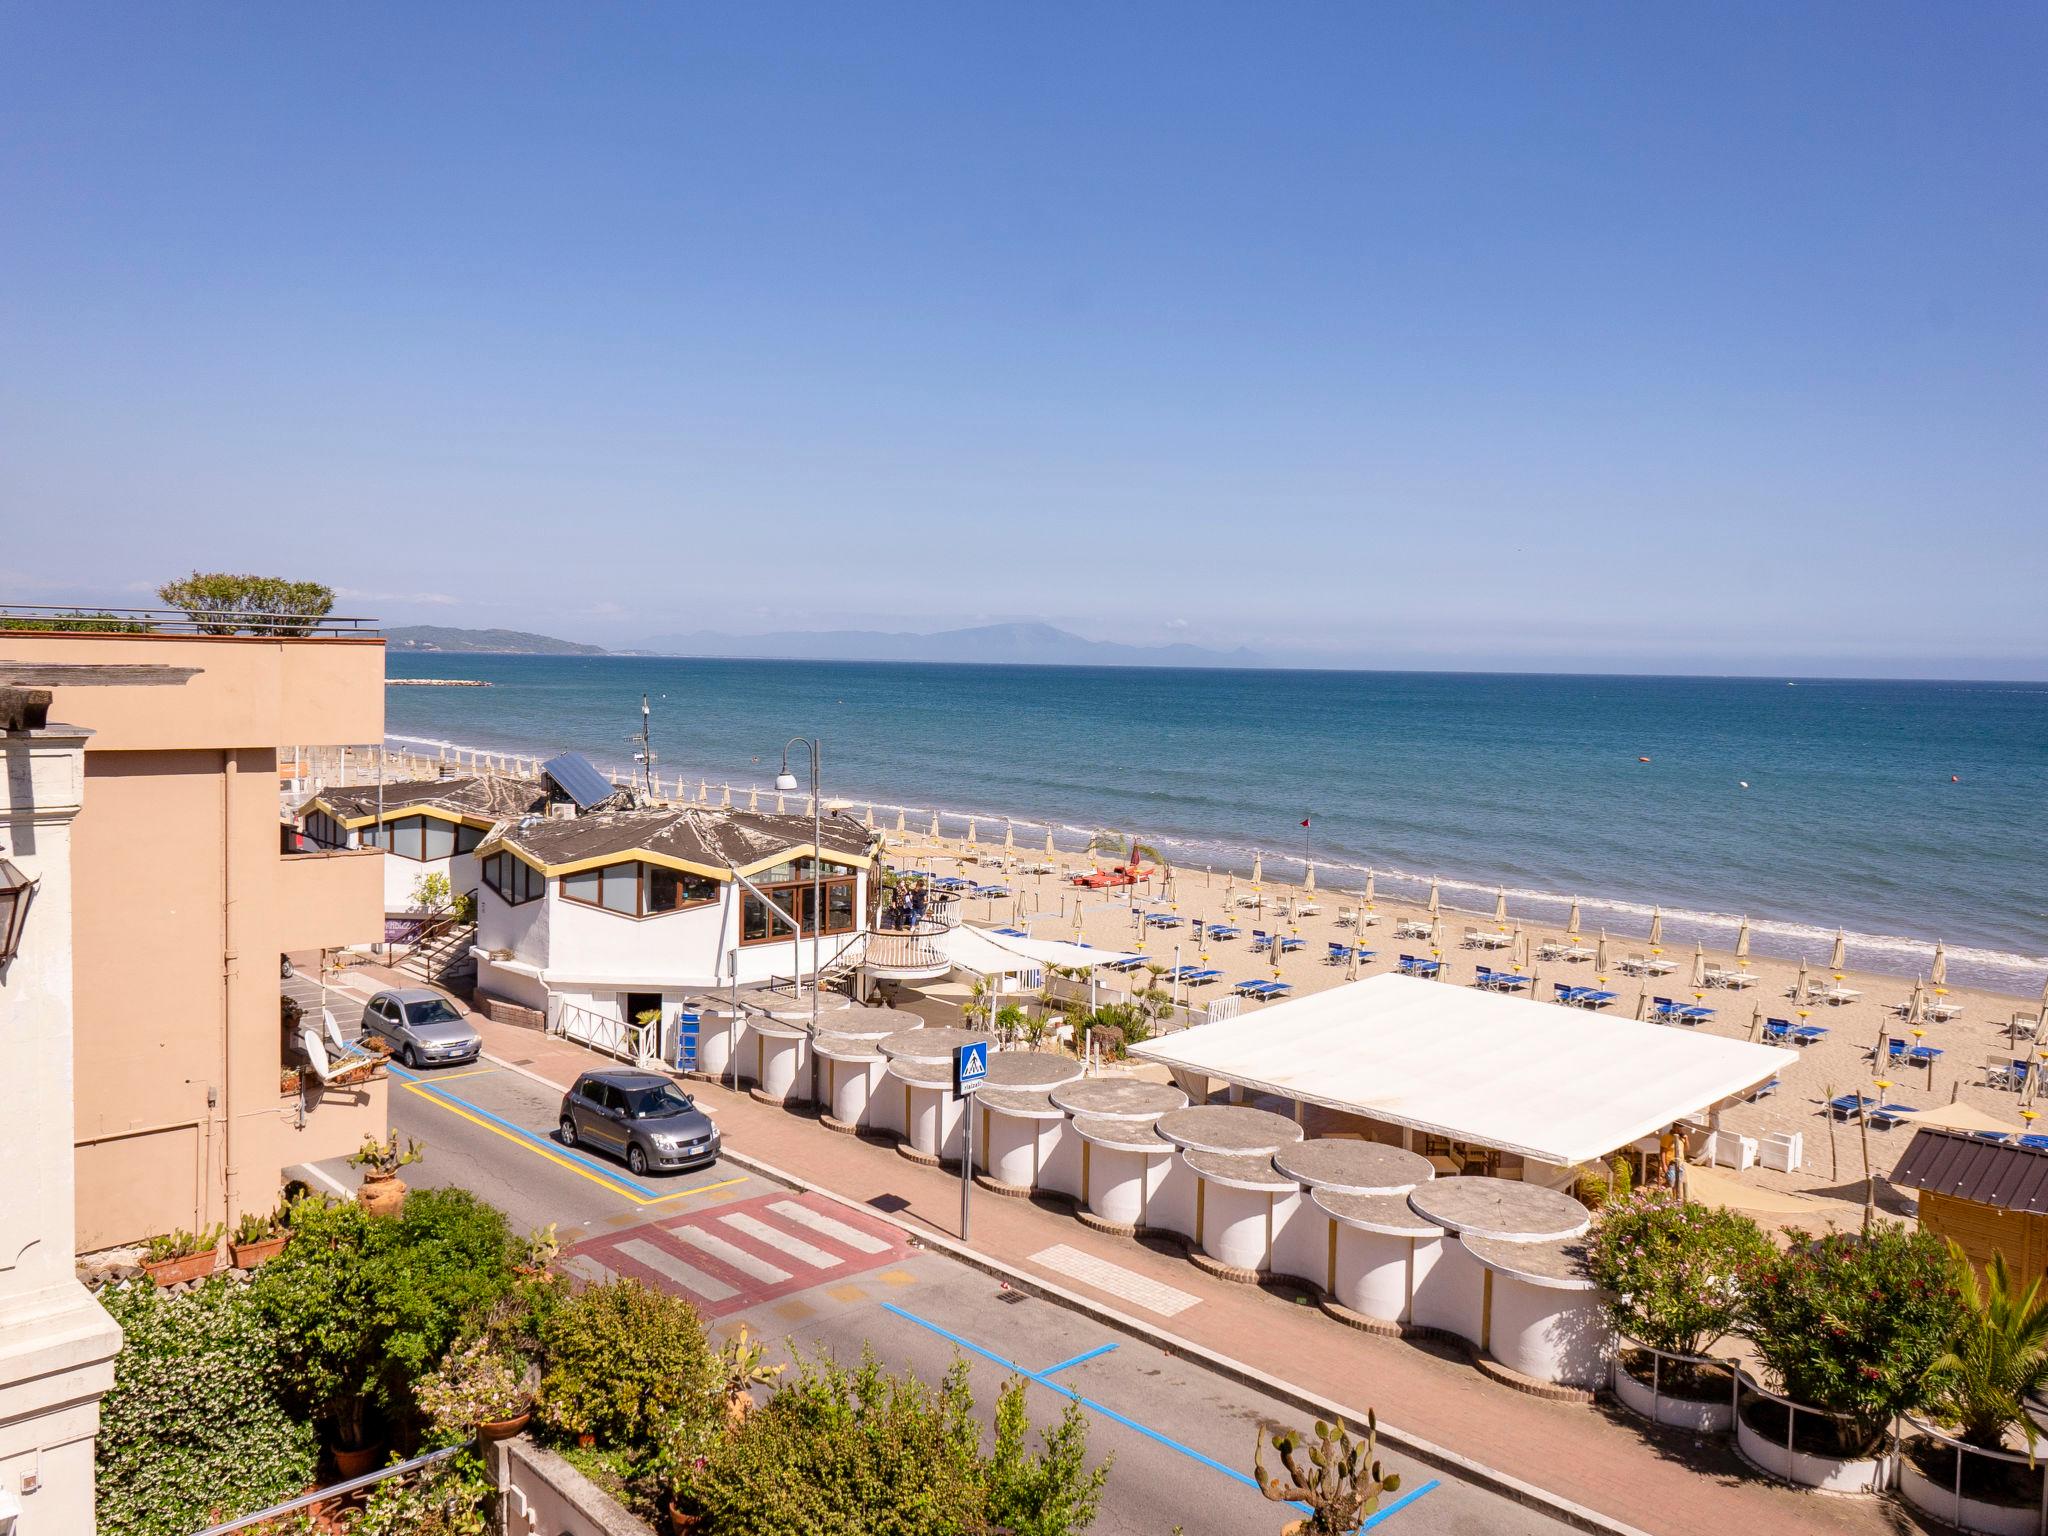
(807,1273)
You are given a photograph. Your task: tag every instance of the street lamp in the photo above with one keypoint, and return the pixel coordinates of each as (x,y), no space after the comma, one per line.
(785,783)
(16,892)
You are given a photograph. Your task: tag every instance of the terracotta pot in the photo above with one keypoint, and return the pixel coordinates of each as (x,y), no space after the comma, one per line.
(504,1429)
(194,1266)
(381,1194)
(249,1255)
(348,1464)
(681,1523)
(288,1082)
(586,1440)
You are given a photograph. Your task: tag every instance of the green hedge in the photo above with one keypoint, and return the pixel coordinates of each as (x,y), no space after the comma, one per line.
(194,1428)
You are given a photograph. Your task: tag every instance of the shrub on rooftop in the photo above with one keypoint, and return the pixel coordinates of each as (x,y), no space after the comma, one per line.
(625,1364)
(1673,1270)
(194,1429)
(367,1305)
(1850,1322)
(220,603)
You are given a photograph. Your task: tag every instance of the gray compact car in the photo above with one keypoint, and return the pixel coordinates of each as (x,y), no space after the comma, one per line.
(639,1116)
(423,1027)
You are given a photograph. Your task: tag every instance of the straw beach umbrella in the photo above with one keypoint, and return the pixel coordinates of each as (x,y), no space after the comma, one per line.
(935,826)
(781,809)
(1839,960)
(1656,926)
(1366,894)
(1435,901)
(727,788)
(1937,975)
(1009,836)
(970,832)
(1642,1003)
(1436,934)
(1500,906)
(1518,948)
(754,798)
(1699,964)
(1571,924)
(1916,1005)
(871,816)
(1799,987)
(1742,941)
(1050,852)
(1308,881)
(902,822)
(1600,955)
(1258,868)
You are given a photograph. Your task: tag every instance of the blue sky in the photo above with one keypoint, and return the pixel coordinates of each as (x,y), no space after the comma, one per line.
(1650,337)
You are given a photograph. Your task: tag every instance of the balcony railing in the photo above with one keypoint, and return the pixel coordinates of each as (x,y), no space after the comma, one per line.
(918,951)
(60,619)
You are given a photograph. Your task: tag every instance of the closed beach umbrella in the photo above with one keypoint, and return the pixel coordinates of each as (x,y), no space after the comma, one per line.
(1840,958)
(1656,926)
(1939,973)
(1049,851)
(970,831)
(871,817)
(1742,941)
(1642,1003)
(1799,986)
(1258,868)
(1353,962)
(1308,882)
(1434,900)
(902,822)
(1699,964)
(1916,1005)
(1436,934)
(935,826)
(728,794)
(1756,1021)
(1600,955)
(1009,836)
(1520,947)
(754,798)
(1571,924)
(1500,905)
(781,806)
(1366,895)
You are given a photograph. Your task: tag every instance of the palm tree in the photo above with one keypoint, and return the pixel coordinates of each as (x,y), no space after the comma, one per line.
(1998,1358)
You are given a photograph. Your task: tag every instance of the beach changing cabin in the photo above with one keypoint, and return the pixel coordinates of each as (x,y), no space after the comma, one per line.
(1987,1196)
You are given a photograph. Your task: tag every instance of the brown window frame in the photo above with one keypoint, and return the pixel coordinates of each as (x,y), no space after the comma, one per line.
(338,838)
(794,896)
(530,877)
(640,867)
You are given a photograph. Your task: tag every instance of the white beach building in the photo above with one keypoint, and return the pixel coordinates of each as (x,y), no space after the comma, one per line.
(595,921)
(1478,1082)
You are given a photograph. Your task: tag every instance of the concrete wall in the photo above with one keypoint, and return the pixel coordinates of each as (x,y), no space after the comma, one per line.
(544,1496)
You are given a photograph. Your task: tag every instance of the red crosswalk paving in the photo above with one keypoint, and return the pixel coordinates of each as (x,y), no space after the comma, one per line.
(726,1258)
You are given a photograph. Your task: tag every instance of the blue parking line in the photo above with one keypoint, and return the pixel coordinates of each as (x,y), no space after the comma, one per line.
(553,1146)
(1101,1349)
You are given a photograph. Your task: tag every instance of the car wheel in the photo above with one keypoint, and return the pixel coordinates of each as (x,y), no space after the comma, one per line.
(407,1060)
(636,1160)
(568,1131)
(284,968)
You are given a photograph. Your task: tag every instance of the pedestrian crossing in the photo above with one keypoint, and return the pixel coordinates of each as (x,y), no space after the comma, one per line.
(725,1258)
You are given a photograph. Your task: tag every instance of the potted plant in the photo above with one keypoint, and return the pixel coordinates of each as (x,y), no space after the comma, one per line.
(478,1390)
(288,1080)
(259,1238)
(1673,1273)
(538,1253)
(382,1192)
(1340,1479)
(740,1369)
(179,1256)
(1849,1324)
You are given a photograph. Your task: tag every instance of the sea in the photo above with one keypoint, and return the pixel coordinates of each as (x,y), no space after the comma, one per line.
(1901,812)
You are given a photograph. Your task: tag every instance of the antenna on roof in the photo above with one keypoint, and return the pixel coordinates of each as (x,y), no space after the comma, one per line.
(645,756)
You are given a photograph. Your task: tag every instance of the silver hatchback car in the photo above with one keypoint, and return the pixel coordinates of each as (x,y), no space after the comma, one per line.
(423,1027)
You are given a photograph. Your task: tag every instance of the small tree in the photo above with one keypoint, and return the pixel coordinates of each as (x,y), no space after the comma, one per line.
(1048,1494)
(224,604)
(1673,1270)
(623,1360)
(1851,1322)
(1998,1358)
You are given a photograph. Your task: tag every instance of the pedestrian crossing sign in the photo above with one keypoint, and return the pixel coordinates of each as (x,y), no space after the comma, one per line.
(970,1067)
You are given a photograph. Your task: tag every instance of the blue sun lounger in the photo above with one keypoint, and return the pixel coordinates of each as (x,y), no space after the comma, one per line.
(1255,989)
(1417,965)
(1842,1106)
(1163,919)
(1200,977)
(1289,946)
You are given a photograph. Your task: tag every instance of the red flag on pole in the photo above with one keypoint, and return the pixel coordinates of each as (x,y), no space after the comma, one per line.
(1304,821)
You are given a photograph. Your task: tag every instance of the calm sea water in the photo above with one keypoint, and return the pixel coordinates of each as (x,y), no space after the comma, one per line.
(1904,812)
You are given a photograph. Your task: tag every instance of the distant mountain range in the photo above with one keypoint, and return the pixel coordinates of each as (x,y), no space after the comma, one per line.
(506,642)
(1025,644)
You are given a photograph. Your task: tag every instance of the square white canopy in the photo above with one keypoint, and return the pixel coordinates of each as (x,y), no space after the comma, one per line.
(1563,1085)
(990,954)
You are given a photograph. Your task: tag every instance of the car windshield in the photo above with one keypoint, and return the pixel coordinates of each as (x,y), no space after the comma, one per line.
(432,1012)
(652,1103)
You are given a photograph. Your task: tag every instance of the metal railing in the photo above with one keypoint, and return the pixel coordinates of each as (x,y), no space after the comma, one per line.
(336,1491)
(907,949)
(1956,1511)
(73,619)
(624,1038)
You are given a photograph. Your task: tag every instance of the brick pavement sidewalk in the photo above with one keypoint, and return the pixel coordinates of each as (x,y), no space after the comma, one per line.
(1599,1457)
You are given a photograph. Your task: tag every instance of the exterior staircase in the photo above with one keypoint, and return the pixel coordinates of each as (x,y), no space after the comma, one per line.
(442,958)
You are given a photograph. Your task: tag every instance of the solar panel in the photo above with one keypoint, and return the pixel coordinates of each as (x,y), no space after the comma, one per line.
(577,777)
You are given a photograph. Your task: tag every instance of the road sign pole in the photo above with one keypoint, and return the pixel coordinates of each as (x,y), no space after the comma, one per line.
(966,1165)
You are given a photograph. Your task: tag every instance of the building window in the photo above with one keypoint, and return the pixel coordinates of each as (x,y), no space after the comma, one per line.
(467,837)
(408,837)
(637,889)
(796,896)
(516,881)
(323,831)
(371,836)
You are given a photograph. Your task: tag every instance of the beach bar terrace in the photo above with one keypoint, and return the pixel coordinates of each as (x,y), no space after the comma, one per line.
(1477,1081)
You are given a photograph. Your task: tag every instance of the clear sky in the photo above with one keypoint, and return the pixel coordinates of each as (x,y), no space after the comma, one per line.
(1654,337)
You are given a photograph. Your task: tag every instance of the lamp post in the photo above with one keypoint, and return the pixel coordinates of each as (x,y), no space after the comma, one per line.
(785,782)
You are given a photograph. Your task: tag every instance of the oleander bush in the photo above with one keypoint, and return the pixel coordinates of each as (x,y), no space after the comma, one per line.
(1674,1269)
(1851,1322)
(195,1428)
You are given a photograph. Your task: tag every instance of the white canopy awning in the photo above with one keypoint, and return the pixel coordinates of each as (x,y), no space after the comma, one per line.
(1558,1084)
(995,954)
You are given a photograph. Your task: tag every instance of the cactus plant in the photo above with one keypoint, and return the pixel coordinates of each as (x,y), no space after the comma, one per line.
(1339,1478)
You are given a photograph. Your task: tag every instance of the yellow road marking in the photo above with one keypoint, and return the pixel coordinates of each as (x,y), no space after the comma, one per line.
(449,1077)
(426,1092)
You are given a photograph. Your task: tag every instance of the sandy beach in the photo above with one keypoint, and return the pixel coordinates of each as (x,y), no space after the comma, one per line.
(1841,1062)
